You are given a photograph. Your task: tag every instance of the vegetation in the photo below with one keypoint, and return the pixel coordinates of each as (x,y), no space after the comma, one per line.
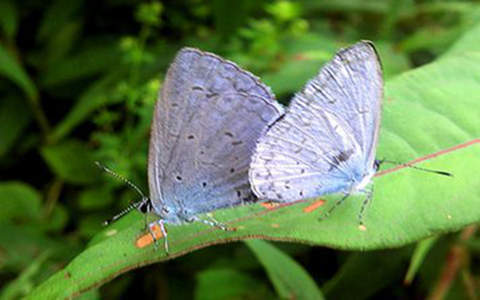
(78,83)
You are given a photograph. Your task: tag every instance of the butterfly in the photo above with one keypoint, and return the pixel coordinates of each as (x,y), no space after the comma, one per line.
(206,122)
(326,141)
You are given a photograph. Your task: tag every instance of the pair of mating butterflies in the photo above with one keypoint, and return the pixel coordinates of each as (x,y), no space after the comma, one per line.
(220,139)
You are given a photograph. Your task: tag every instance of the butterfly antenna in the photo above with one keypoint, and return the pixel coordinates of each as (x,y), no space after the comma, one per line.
(130,184)
(416,168)
(123,212)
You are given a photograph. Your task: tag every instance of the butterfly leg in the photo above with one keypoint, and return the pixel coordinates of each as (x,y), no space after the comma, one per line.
(164,233)
(365,203)
(337,204)
(152,233)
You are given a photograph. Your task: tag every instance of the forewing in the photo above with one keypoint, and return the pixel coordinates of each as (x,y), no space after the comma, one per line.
(351,86)
(206,122)
(329,131)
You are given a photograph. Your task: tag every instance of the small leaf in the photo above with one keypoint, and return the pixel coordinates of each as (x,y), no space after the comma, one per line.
(291,281)
(10,68)
(97,95)
(8,18)
(14,118)
(60,43)
(71,161)
(19,200)
(421,250)
(56,16)
(87,62)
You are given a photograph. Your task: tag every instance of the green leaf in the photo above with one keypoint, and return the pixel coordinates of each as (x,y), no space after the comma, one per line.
(8,18)
(469,42)
(20,244)
(19,200)
(58,14)
(71,161)
(307,54)
(421,251)
(433,109)
(364,274)
(227,284)
(291,281)
(14,118)
(95,198)
(87,62)
(60,43)
(11,69)
(304,57)
(435,38)
(24,283)
(229,16)
(96,96)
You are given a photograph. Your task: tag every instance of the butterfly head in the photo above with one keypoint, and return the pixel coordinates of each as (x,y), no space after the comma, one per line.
(145,205)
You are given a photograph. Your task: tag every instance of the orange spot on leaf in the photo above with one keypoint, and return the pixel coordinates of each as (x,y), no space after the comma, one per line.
(300,56)
(147,238)
(269,205)
(314,206)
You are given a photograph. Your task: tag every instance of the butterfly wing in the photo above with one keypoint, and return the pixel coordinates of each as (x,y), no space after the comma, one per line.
(206,122)
(327,139)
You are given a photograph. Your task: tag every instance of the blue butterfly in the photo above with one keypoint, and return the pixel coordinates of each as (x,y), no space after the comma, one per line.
(326,141)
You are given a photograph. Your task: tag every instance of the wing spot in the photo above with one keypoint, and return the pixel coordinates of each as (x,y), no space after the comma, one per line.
(239,194)
(174,104)
(302,171)
(190,137)
(232,170)
(211,95)
(204,184)
(179,178)
(301,193)
(236,143)
(197,88)
(228,133)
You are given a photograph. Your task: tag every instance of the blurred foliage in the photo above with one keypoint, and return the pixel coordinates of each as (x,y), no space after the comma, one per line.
(78,83)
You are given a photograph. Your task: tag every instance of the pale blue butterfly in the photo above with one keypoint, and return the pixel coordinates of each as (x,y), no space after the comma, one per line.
(326,141)
(208,117)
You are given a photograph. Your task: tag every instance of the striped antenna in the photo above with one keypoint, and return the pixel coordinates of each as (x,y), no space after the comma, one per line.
(132,206)
(414,167)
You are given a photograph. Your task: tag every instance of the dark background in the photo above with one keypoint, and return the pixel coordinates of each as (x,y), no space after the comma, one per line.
(78,84)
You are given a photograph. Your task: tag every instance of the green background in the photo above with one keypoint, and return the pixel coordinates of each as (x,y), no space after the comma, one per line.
(78,82)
